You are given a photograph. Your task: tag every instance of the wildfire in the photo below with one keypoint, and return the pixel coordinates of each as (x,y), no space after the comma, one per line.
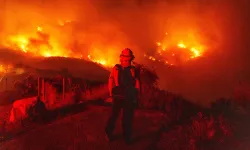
(192,51)
(42,43)
(5,68)
(37,44)
(159,60)
(46,42)
(181,45)
(102,62)
(2,69)
(172,51)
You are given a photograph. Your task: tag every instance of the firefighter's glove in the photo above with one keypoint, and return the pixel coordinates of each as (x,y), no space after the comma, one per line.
(109,99)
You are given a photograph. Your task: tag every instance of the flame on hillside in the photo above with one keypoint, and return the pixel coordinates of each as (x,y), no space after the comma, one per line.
(5,68)
(102,44)
(42,43)
(173,51)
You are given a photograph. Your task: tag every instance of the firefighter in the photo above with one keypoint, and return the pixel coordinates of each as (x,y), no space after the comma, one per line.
(124,86)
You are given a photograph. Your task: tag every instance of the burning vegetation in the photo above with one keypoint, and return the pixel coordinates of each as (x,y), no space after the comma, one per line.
(40,33)
(40,42)
(177,49)
(46,42)
(66,36)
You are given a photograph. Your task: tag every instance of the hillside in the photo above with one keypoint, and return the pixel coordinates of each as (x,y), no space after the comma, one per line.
(24,65)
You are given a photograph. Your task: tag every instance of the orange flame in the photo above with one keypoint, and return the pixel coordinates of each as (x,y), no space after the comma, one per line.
(46,42)
(39,44)
(175,47)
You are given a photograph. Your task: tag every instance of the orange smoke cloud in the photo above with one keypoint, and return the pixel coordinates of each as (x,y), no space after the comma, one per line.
(80,31)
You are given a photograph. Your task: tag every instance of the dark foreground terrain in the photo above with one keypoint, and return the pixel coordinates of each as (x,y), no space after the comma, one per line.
(81,127)
(165,121)
(84,131)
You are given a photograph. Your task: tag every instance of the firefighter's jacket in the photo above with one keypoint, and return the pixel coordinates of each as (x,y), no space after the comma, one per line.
(118,78)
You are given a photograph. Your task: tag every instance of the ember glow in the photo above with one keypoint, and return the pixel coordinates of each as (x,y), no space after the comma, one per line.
(5,68)
(36,43)
(35,32)
(43,43)
(2,68)
(102,62)
(174,50)
(46,44)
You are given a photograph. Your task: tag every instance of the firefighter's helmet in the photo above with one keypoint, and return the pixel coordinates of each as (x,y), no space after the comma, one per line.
(127,54)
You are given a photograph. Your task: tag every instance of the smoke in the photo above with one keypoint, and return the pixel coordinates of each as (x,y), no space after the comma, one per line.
(220,71)
(102,28)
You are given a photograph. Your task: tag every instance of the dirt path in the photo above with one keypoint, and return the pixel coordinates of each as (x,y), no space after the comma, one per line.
(85,131)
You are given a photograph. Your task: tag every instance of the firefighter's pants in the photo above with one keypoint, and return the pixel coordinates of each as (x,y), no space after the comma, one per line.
(128,107)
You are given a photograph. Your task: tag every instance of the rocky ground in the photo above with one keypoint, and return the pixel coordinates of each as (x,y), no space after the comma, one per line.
(85,130)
